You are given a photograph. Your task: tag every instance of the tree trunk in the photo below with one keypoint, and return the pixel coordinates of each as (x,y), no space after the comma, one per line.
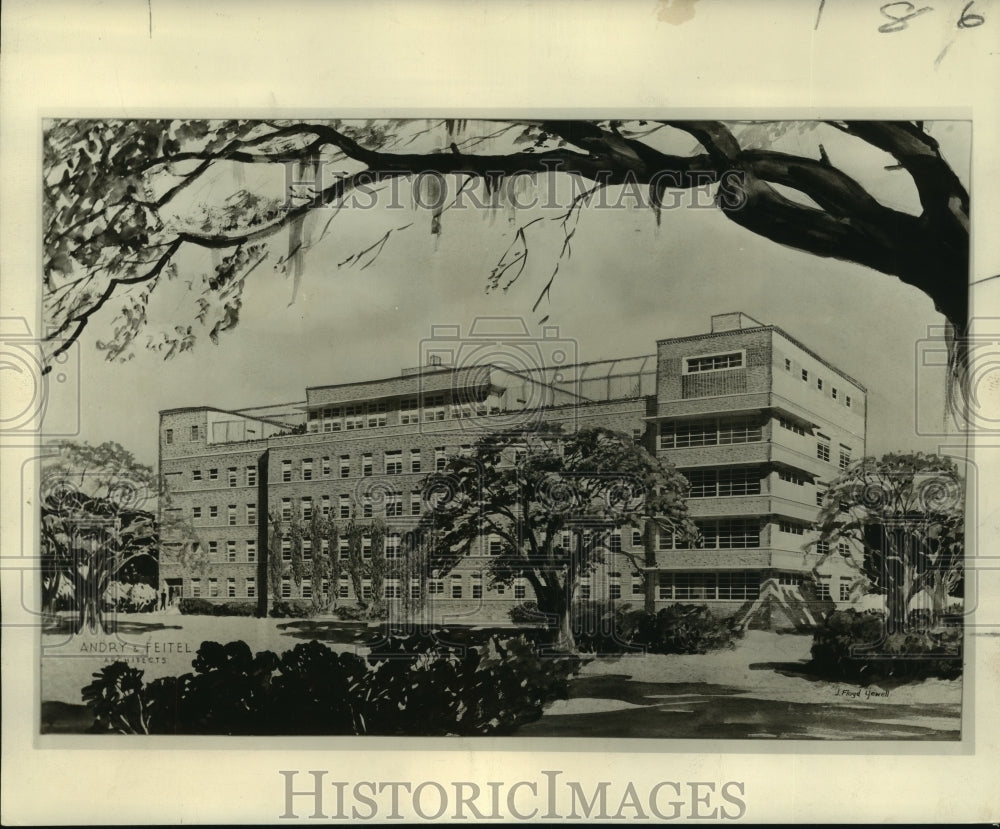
(566,641)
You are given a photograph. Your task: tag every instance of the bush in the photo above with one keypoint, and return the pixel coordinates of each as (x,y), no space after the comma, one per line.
(679,628)
(130,598)
(526,613)
(290,610)
(411,686)
(357,613)
(203,607)
(855,647)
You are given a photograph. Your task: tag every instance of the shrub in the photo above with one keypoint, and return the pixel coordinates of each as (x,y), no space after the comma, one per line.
(412,685)
(526,613)
(196,607)
(203,607)
(855,647)
(679,628)
(357,613)
(130,598)
(290,610)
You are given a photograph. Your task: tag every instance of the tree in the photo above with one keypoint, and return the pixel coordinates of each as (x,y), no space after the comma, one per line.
(98,525)
(530,488)
(118,209)
(902,516)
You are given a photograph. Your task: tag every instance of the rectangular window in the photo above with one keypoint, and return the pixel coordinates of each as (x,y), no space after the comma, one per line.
(393,504)
(195,512)
(286,471)
(325,467)
(286,549)
(251,476)
(213,474)
(286,509)
(791,426)
(392,545)
(195,588)
(377,414)
(415,501)
(231,551)
(194,432)
(345,505)
(664,586)
(307,508)
(435,587)
(213,512)
(286,588)
(822,547)
(636,538)
(251,514)
(231,588)
(724,483)
(790,477)
(714,362)
(343,587)
(414,460)
(843,548)
(495,546)
(845,457)
(614,588)
(168,435)
(724,431)
(251,550)
(584,587)
(345,466)
(392,589)
(354,418)
(845,590)
(805,375)
(736,534)
(307,469)
(477,587)
(820,495)
(231,515)
(307,549)
(615,541)
(833,392)
(366,507)
(414,588)
(847,401)
(738,585)
(789,527)
(409,411)
(638,585)
(366,547)
(823,590)
(213,588)
(366,589)
(440,458)
(195,474)
(251,587)
(520,589)
(819,383)
(434,407)
(231,475)
(307,588)
(325,506)
(366,465)
(823,450)
(788,364)
(393,462)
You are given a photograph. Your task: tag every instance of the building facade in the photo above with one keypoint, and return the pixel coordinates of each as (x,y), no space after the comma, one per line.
(755,420)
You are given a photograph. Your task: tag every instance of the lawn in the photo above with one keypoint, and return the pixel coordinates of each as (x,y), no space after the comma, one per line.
(757,690)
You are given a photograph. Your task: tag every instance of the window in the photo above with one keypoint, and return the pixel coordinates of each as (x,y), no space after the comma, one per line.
(213,588)
(314,417)
(251,550)
(440,458)
(168,435)
(665,586)
(392,545)
(409,411)
(394,462)
(213,512)
(823,547)
(324,587)
(195,512)
(614,585)
(325,467)
(251,587)
(195,474)
(325,506)
(833,392)
(520,589)
(724,431)
(847,401)
(286,588)
(231,515)
(845,457)
(434,407)
(377,414)
(819,383)
(820,495)
(343,587)
(307,469)
(791,477)
(823,449)
(823,589)
(845,590)
(435,587)
(251,476)
(366,547)
(231,475)
(354,418)
(805,375)
(195,588)
(414,588)
(584,587)
(307,588)
(844,548)
(194,432)
(392,590)
(366,465)
(714,362)
(711,483)
(231,588)
(785,423)
(477,587)
(307,508)
(366,589)
(393,504)
(213,474)
(231,551)
(788,364)
(615,541)
(286,548)
(345,466)
(789,527)
(345,505)
(286,509)
(733,534)
(638,585)
(494,546)
(636,538)
(324,546)
(286,471)
(414,460)
(251,514)
(415,502)
(366,507)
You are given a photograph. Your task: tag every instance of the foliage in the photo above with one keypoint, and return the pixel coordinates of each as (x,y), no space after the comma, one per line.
(275,566)
(118,214)
(203,607)
(362,613)
(903,518)
(678,628)
(130,598)
(410,686)
(526,613)
(291,610)
(533,489)
(856,647)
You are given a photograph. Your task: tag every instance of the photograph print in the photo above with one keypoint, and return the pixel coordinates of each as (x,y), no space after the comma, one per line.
(521,428)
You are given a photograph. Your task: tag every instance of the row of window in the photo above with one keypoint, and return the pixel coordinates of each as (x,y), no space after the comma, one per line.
(823,452)
(168,434)
(728,534)
(713,432)
(819,383)
(412,410)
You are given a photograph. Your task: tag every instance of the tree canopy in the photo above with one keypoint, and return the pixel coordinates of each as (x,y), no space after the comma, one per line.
(123,199)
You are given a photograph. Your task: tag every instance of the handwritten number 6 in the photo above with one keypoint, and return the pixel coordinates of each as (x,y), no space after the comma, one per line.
(970,21)
(898,23)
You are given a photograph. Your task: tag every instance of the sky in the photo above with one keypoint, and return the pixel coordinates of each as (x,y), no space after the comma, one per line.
(627,283)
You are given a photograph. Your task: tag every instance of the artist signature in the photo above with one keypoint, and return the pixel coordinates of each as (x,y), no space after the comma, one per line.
(861,693)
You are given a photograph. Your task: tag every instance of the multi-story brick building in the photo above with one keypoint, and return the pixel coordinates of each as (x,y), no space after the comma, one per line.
(754,419)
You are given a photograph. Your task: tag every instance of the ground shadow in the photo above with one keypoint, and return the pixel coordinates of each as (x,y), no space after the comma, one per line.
(68,627)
